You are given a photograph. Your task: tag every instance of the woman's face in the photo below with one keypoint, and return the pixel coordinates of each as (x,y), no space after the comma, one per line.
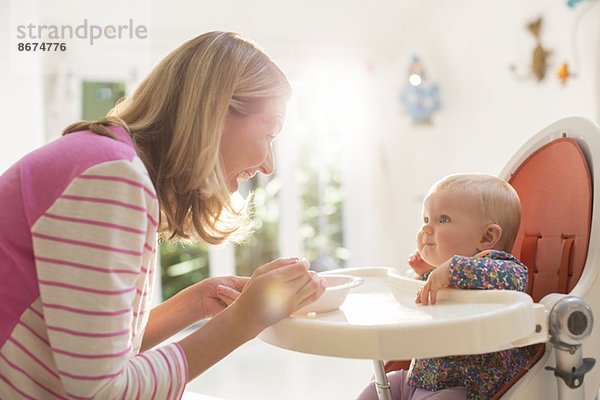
(246,142)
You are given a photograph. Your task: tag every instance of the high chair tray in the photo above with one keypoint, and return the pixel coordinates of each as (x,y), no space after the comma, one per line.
(380,320)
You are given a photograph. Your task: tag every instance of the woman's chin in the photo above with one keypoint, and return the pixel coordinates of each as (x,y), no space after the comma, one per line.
(233,186)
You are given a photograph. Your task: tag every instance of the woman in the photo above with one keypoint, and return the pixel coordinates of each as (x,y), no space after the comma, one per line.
(80,218)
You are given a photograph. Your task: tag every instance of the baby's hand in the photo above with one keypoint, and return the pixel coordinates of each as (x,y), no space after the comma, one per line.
(438,279)
(418,264)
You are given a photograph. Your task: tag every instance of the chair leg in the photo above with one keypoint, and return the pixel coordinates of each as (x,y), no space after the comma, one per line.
(570,369)
(382,384)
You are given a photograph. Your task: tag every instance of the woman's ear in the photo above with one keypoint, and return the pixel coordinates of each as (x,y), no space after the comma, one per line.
(491,236)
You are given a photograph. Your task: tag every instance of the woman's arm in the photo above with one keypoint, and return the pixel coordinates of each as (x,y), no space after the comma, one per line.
(92,247)
(275,291)
(164,321)
(187,307)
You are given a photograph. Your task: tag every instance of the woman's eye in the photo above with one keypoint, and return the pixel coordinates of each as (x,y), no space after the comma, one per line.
(444,219)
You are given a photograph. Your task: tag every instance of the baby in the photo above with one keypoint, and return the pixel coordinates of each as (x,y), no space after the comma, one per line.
(470,222)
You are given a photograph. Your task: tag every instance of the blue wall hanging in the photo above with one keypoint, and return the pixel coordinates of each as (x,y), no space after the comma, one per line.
(420,97)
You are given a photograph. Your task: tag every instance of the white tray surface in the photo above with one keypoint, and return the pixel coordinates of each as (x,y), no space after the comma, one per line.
(380,320)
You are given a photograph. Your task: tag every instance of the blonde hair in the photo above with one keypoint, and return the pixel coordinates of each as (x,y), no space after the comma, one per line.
(498,201)
(176,116)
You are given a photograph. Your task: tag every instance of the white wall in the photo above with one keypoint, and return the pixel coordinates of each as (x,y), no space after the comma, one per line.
(21,103)
(466,47)
(487,113)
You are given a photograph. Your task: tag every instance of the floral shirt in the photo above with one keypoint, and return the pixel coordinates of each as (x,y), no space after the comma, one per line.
(482,374)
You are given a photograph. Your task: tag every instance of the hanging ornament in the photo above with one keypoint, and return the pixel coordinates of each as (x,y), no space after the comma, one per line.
(419,97)
(573,3)
(539,57)
(563,73)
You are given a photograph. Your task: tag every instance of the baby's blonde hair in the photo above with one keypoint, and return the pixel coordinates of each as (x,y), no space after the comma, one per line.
(498,201)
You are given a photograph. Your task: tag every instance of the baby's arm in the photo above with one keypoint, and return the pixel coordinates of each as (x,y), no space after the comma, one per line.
(488,273)
(474,273)
(419,265)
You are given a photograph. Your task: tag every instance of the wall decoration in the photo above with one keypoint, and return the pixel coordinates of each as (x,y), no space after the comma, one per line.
(564,72)
(540,56)
(573,3)
(420,97)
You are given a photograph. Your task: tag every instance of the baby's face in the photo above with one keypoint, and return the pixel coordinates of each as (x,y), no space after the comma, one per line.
(452,225)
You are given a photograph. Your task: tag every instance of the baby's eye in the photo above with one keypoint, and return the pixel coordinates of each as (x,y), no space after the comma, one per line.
(444,219)
(425,220)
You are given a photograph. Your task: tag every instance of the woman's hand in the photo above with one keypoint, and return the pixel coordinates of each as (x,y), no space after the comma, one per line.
(187,307)
(276,290)
(438,279)
(218,292)
(418,264)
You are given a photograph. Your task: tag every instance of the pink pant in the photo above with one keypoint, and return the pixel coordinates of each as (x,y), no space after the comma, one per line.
(401,390)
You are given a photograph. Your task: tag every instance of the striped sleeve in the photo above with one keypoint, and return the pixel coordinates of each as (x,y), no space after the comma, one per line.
(94,250)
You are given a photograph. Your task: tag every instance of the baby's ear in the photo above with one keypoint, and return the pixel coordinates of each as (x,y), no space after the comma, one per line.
(491,236)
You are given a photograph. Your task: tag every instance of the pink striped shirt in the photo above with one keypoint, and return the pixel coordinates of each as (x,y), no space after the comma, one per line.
(78,221)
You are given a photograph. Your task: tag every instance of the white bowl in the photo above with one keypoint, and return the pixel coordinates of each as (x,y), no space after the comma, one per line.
(337,287)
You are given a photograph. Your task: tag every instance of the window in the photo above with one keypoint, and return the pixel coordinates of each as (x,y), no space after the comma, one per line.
(99,97)
(263,245)
(182,266)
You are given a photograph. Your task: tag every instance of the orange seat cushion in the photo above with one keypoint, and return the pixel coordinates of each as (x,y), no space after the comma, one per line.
(556,196)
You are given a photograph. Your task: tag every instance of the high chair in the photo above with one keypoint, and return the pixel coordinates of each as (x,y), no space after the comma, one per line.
(554,175)
(555,178)
(551,174)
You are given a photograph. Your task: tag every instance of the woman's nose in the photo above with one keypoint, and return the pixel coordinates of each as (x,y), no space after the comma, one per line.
(268,166)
